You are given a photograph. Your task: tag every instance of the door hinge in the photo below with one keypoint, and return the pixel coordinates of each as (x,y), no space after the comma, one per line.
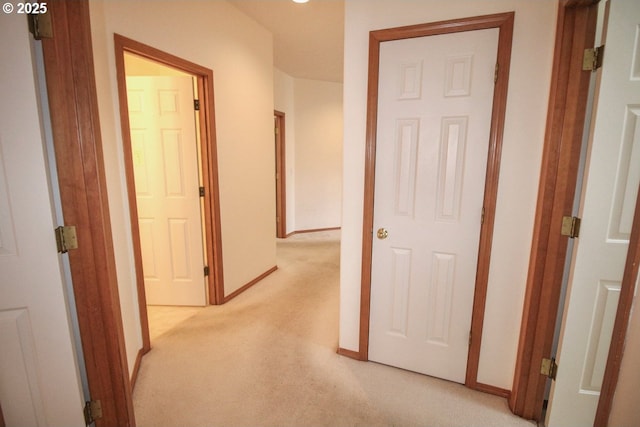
(206,270)
(482,216)
(196,104)
(495,74)
(92,411)
(66,238)
(40,24)
(201,191)
(549,368)
(470,338)
(592,58)
(570,226)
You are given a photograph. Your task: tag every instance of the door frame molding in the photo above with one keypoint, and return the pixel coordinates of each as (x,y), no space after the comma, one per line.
(209,167)
(71,87)
(566,116)
(504,22)
(281,174)
(576,27)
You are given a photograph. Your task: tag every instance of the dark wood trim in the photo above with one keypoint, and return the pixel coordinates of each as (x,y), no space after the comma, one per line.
(621,324)
(504,22)
(208,154)
(2,422)
(313,230)
(369,190)
(133,205)
(281,173)
(443,27)
(486,388)
(348,353)
(250,284)
(561,153)
(69,67)
(136,367)
(213,225)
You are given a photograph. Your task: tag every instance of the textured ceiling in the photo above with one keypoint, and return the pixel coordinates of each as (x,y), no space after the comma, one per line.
(308,38)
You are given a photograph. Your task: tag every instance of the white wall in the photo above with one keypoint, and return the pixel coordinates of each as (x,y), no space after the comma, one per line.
(318,155)
(522,151)
(314,133)
(240,53)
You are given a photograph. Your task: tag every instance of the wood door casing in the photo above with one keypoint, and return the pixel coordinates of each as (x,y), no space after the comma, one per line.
(434,106)
(607,211)
(209,158)
(281,174)
(561,153)
(78,147)
(505,24)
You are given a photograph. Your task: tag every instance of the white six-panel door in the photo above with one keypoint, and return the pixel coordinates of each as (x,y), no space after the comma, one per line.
(434,117)
(39,378)
(165,157)
(610,191)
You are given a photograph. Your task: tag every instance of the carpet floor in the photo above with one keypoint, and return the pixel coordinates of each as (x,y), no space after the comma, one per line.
(268,358)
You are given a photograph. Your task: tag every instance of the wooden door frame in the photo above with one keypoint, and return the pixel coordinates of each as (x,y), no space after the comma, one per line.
(504,22)
(208,155)
(563,141)
(71,87)
(575,31)
(281,174)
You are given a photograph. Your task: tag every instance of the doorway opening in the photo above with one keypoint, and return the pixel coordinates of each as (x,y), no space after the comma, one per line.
(281,185)
(168,128)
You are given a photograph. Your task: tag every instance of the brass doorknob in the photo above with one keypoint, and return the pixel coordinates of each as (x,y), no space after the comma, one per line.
(382,233)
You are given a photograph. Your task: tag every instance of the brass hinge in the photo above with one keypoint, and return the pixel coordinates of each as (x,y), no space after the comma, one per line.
(92,411)
(570,226)
(40,25)
(495,73)
(470,338)
(592,58)
(66,238)
(482,216)
(201,191)
(549,368)
(206,270)
(196,104)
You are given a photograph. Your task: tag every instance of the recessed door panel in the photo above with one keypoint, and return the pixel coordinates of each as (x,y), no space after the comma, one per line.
(435,97)
(165,157)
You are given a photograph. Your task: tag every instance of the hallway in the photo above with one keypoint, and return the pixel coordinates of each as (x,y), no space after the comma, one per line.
(268,358)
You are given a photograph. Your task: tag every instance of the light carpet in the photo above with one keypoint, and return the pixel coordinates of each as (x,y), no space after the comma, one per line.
(268,358)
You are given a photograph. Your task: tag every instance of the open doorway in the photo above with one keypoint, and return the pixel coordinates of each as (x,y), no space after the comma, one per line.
(168,176)
(167,118)
(281,189)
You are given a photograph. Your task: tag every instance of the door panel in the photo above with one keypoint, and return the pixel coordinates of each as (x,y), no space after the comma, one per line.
(165,157)
(434,116)
(37,360)
(609,198)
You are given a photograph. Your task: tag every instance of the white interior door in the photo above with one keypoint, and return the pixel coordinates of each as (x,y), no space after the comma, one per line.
(39,379)
(609,197)
(434,118)
(166,167)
